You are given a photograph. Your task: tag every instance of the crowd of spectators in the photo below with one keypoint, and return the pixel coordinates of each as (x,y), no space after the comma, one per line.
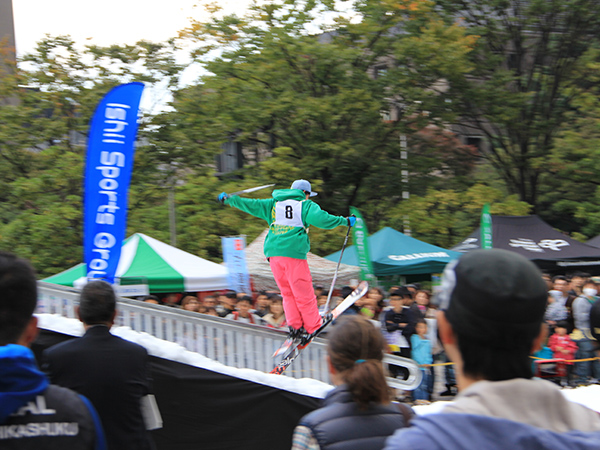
(491,307)
(259,308)
(396,314)
(570,299)
(407,319)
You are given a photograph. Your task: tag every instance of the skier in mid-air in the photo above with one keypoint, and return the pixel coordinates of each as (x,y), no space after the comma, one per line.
(289,214)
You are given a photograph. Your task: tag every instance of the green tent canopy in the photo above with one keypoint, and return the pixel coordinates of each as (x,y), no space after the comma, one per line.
(394,253)
(163,267)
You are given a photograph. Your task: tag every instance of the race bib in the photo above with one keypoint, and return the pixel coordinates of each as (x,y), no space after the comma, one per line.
(288,213)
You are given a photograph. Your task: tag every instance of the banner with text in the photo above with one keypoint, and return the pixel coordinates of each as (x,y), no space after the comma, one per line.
(234,256)
(486,227)
(108,167)
(359,237)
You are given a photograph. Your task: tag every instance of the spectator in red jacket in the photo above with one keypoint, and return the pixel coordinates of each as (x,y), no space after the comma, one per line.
(562,346)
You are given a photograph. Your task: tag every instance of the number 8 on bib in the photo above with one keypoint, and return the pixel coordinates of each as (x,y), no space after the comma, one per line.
(289,213)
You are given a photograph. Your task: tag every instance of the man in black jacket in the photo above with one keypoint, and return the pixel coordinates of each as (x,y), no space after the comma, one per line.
(33,413)
(110,371)
(400,322)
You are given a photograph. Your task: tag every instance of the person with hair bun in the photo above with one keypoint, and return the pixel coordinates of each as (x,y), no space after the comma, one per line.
(358,413)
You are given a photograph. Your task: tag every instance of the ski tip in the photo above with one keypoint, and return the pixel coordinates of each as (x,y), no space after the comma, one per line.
(277,370)
(362,286)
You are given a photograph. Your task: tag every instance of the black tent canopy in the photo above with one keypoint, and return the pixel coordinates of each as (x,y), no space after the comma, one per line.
(533,238)
(594,242)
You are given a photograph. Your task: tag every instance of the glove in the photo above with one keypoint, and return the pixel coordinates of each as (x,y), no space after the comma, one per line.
(351,221)
(222,197)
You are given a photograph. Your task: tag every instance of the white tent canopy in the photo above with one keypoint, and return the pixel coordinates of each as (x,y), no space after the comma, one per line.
(163,267)
(321,269)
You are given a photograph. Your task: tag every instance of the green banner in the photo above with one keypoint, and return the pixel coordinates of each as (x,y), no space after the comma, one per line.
(486,227)
(359,236)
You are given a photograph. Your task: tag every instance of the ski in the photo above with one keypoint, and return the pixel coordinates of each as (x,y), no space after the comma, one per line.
(297,346)
(284,347)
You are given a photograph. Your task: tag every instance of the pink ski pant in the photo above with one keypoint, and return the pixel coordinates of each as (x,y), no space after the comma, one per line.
(295,283)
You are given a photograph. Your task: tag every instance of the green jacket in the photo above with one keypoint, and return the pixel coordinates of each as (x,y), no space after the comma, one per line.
(289,215)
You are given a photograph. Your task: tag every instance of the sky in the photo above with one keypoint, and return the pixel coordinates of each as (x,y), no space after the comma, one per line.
(107,21)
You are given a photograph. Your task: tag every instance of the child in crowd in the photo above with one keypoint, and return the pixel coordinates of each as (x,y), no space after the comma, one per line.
(562,346)
(421,354)
(262,304)
(318,290)
(369,311)
(151,299)
(210,301)
(374,300)
(354,309)
(276,318)
(409,300)
(422,299)
(171,300)
(191,303)
(322,300)
(227,302)
(211,311)
(243,313)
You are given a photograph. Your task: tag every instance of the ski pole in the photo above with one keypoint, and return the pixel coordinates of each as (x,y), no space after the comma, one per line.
(247,191)
(326,309)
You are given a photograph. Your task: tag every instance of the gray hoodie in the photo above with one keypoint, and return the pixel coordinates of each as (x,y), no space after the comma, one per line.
(517,414)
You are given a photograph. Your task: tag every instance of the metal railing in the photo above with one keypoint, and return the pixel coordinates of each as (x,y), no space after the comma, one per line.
(229,342)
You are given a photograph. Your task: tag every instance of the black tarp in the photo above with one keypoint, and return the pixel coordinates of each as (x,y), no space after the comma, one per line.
(533,238)
(206,410)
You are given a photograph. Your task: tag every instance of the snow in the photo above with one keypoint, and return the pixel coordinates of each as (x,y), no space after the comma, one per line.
(434,407)
(175,352)
(588,396)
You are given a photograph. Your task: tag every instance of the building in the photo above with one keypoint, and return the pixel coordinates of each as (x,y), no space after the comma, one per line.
(7,26)
(7,42)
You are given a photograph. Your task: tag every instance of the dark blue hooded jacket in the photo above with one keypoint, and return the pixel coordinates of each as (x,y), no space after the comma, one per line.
(37,415)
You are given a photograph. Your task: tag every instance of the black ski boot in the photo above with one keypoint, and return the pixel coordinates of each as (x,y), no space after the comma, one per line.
(305,337)
(295,334)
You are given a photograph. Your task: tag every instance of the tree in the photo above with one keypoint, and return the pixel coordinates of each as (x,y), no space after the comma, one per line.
(320,94)
(526,66)
(43,129)
(571,192)
(444,217)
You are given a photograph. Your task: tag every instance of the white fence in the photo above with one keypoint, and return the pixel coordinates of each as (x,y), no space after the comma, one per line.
(228,342)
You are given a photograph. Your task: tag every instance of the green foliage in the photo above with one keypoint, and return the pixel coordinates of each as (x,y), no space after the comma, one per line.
(204,220)
(44,209)
(526,68)
(45,109)
(571,192)
(444,217)
(276,83)
(303,88)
